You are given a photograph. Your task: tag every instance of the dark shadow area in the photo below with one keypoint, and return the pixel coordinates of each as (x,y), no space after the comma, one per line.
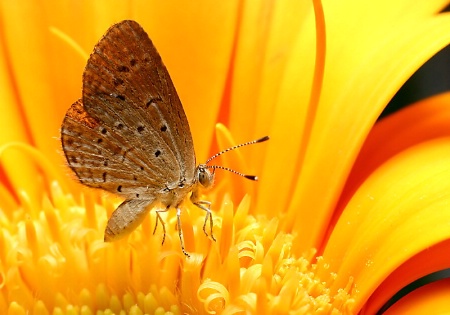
(432,78)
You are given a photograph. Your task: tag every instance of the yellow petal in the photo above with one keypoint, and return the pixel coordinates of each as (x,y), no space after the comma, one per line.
(425,120)
(392,222)
(345,113)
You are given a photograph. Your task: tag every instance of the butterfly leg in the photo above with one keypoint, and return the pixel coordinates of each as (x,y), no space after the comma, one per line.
(205,206)
(158,218)
(180,233)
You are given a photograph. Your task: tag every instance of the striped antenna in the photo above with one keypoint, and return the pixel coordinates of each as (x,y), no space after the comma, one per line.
(236,147)
(251,177)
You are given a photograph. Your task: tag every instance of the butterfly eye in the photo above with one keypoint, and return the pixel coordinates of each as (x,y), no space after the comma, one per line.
(205,177)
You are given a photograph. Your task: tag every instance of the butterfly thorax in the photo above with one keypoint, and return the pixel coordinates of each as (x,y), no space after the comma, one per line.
(173,194)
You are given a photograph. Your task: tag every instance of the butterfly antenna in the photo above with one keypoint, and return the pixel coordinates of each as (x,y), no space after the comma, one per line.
(251,177)
(236,147)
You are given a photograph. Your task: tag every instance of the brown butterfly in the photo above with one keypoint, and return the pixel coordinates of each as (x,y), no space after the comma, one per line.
(129,135)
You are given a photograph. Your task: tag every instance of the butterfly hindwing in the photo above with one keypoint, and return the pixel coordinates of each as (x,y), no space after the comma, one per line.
(126,218)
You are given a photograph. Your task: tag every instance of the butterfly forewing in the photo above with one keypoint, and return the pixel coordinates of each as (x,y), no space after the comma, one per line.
(136,134)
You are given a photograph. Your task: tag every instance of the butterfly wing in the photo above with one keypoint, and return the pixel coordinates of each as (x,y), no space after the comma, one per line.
(130,129)
(101,161)
(128,216)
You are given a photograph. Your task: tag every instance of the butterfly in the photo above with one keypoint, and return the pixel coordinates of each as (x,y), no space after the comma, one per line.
(129,135)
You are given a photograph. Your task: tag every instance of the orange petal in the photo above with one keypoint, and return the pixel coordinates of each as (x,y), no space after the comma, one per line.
(428,261)
(433,297)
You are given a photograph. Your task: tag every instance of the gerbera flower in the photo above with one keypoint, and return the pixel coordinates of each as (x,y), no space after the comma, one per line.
(345,215)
